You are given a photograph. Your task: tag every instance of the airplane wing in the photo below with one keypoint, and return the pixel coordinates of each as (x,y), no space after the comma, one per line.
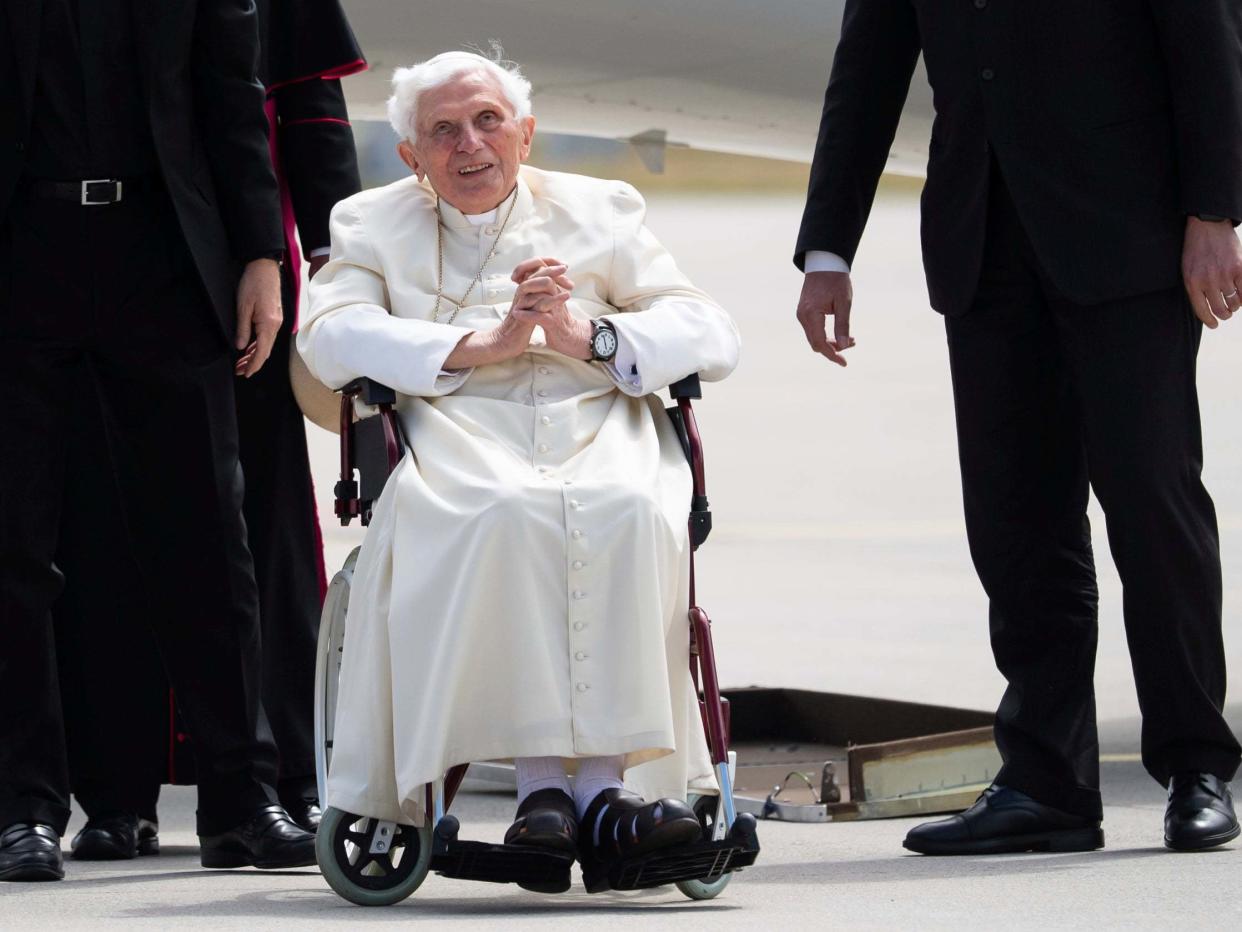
(735,76)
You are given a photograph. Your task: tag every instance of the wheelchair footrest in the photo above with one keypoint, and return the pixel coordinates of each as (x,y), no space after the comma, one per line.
(534,868)
(703,860)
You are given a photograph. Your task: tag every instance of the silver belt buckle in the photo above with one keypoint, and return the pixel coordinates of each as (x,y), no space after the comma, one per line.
(86,198)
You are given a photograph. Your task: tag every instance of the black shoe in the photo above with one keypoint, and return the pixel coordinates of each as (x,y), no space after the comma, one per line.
(1004,821)
(116,838)
(546,819)
(305,813)
(30,852)
(1200,813)
(269,840)
(620,824)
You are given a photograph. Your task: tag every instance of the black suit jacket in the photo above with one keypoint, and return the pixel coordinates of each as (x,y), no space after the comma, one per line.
(198,62)
(1110,121)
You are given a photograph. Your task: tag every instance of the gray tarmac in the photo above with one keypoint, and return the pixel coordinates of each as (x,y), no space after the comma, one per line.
(838,563)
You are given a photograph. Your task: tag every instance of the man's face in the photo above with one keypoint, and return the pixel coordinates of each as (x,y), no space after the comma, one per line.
(470,144)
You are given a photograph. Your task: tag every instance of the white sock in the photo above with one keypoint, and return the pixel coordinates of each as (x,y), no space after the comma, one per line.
(540,773)
(596,774)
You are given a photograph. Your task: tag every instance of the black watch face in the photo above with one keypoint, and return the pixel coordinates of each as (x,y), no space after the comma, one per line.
(605,343)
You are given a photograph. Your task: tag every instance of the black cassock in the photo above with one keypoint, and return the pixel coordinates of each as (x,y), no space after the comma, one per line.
(124,735)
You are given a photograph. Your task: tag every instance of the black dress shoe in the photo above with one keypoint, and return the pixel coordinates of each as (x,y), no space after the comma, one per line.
(305,813)
(269,840)
(116,838)
(620,824)
(1200,813)
(546,819)
(30,852)
(1004,821)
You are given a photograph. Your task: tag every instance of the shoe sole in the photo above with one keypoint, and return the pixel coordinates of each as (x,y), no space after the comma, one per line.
(232,859)
(32,873)
(1202,844)
(1087,839)
(146,847)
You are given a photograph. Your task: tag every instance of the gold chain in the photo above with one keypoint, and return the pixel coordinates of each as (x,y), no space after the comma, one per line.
(478,276)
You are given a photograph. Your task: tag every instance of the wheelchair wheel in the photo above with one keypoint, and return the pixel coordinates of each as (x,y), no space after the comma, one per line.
(343,846)
(328,656)
(707,808)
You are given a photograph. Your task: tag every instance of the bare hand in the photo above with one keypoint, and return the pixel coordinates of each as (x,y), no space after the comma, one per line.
(827,294)
(1212,269)
(258,314)
(542,297)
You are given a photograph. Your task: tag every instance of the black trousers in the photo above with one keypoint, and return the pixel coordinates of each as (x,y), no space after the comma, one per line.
(104,322)
(124,736)
(1052,399)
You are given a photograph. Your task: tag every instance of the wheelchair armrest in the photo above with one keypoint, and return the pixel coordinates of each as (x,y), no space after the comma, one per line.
(370,392)
(688,387)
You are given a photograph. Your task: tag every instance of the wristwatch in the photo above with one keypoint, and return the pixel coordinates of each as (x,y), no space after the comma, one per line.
(603,341)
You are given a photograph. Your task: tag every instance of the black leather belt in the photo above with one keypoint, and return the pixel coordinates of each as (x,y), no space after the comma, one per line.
(90,192)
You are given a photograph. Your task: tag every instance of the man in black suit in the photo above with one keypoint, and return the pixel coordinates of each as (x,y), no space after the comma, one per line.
(135,186)
(124,738)
(1083,186)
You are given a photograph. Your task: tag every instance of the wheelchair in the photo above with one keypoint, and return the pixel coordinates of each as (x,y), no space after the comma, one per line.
(372,862)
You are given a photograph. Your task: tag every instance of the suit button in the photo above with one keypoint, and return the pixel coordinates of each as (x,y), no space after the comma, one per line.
(987,74)
(19,146)
(980,4)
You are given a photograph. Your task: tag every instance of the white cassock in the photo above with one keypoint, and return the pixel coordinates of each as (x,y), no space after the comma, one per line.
(522,587)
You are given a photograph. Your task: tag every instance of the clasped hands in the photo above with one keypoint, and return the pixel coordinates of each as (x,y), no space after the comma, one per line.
(541,300)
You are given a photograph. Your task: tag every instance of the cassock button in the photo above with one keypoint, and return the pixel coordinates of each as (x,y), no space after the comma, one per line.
(578,564)
(490,231)
(579,594)
(542,393)
(575,534)
(583,687)
(544,370)
(543,448)
(545,420)
(987,74)
(575,504)
(580,655)
(579,625)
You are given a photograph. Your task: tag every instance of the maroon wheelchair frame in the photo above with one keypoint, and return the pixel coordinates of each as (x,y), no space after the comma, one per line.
(712,706)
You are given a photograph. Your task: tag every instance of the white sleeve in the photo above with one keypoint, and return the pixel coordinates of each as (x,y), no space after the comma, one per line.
(671,328)
(819,260)
(321,251)
(349,333)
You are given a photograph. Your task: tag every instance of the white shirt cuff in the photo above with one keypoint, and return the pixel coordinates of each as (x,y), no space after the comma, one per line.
(321,251)
(819,260)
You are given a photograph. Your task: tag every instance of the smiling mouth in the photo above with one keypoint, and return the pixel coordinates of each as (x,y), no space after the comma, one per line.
(474,169)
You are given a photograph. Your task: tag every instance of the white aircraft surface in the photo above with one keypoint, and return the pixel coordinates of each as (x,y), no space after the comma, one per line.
(740,76)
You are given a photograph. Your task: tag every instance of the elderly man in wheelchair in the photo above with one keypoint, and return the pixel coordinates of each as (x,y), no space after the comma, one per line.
(523,589)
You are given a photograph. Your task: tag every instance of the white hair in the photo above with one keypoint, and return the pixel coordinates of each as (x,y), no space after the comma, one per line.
(408,84)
